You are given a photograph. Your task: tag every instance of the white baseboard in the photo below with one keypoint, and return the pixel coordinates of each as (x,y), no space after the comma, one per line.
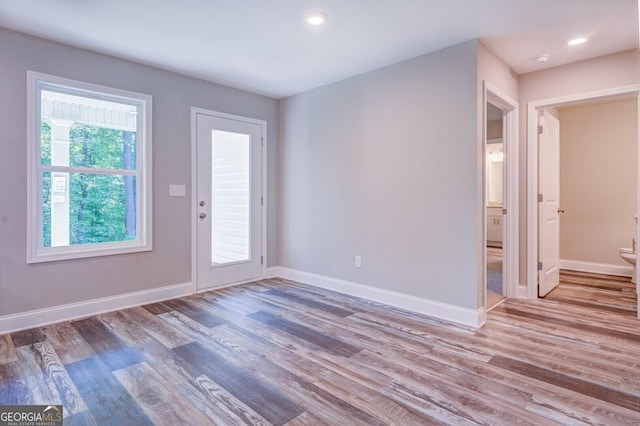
(596,268)
(469,317)
(273,271)
(40,317)
(72,311)
(523,292)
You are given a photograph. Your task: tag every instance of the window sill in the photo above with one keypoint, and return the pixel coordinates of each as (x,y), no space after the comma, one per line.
(57,254)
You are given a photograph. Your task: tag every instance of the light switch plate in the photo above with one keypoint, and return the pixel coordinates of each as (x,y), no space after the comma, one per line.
(177,190)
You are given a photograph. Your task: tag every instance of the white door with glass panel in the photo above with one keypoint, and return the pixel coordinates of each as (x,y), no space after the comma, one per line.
(229,200)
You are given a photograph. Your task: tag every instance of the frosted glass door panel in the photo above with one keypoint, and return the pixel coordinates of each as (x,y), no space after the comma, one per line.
(230,197)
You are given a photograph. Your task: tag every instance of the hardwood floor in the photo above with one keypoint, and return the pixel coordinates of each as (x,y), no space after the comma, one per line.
(596,291)
(278,352)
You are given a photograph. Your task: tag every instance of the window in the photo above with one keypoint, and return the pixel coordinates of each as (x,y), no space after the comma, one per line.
(89,170)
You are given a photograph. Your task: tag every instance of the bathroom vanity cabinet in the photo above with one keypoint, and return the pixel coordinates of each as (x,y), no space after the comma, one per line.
(494,226)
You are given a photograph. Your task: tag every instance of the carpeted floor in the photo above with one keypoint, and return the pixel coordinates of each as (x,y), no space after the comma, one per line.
(494,276)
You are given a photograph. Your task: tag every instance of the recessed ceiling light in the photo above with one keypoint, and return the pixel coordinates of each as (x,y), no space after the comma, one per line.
(317,18)
(542,58)
(577,41)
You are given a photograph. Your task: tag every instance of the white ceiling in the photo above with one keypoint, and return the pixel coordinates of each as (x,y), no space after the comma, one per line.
(267,47)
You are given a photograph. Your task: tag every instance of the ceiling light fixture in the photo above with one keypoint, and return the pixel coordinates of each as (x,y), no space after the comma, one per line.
(317,18)
(542,58)
(577,41)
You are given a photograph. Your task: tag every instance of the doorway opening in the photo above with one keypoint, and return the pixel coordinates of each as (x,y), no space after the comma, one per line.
(494,177)
(597,184)
(500,200)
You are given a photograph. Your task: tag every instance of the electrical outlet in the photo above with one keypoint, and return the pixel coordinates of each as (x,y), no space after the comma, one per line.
(358,261)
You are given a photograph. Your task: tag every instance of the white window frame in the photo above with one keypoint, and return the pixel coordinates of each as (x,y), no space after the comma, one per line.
(36,252)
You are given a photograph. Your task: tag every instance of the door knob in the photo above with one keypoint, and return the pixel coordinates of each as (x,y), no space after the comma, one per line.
(560,210)
(203,215)
(202,203)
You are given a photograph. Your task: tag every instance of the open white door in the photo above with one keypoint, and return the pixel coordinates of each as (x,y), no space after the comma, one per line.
(548,203)
(229,197)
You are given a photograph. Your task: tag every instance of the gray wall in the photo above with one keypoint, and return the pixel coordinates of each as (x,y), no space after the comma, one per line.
(385,165)
(27,287)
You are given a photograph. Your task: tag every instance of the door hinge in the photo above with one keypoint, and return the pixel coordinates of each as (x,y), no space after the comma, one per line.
(539,198)
(262,260)
(262,141)
(540,130)
(539,266)
(262,201)
(504,211)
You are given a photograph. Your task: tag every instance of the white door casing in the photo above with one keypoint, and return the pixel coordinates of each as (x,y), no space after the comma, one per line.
(549,205)
(510,222)
(228,197)
(533,108)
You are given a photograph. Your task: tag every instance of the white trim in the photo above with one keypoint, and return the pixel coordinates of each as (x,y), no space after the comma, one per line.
(532,201)
(40,317)
(500,302)
(36,253)
(265,198)
(638,197)
(194,193)
(273,271)
(228,285)
(532,170)
(522,292)
(464,316)
(512,219)
(596,268)
(194,199)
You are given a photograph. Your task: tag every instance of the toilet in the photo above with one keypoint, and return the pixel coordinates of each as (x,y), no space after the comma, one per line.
(629,255)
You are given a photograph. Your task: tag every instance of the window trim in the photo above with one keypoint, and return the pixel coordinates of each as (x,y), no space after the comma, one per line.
(36,252)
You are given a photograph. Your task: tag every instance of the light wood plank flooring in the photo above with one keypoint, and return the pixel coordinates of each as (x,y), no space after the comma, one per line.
(278,352)
(596,291)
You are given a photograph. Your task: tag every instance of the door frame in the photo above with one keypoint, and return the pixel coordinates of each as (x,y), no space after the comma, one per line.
(533,109)
(194,193)
(510,130)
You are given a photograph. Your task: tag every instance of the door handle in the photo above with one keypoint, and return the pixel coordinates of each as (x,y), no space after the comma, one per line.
(560,210)
(202,203)
(202,215)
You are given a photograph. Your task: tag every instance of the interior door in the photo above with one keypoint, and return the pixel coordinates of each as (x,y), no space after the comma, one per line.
(549,206)
(229,197)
